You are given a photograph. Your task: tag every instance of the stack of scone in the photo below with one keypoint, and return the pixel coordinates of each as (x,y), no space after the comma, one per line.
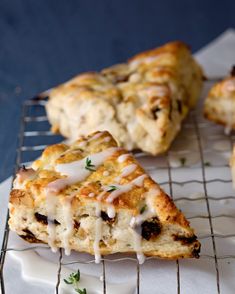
(92,195)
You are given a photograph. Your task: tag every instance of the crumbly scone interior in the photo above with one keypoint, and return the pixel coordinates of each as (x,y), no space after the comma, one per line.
(114,207)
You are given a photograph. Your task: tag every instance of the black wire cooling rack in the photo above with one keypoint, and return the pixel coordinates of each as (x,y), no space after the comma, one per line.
(34,136)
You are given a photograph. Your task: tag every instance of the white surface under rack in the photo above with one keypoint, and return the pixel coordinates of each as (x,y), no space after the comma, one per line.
(195,171)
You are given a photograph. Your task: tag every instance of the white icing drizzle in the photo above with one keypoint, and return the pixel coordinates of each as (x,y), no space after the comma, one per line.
(111,211)
(57,185)
(230,85)
(105,173)
(107,139)
(25,174)
(68,224)
(125,188)
(137,246)
(91,194)
(51,211)
(95,136)
(135,78)
(139,181)
(136,62)
(101,195)
(120,190)
(76,171)
(104,140)
(123,157)
(82,144)
(117,179)
(159,90)
(127,170)
(139,219)
(98,232)
(229,105)
(36,268)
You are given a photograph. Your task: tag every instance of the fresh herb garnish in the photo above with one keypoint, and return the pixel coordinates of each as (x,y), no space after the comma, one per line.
(112,188)
(89,166)
(182,161)
(142,210)
(73,280)
(207,163)
(81,291)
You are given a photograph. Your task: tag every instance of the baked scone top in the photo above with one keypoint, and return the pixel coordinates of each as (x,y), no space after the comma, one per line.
(113,167)
(224,89)
(94,176)
(141,102)
(219,104)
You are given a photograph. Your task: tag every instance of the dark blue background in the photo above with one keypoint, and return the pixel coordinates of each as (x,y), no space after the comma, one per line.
(44,42)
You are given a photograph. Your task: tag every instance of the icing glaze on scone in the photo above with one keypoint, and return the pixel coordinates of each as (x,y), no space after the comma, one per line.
(142,102)
(94,197)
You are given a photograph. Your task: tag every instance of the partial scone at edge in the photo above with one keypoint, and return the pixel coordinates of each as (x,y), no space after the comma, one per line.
(220,103)
(117,207)
(141,103)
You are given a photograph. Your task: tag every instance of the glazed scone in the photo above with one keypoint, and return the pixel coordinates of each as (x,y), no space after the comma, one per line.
(94,197)
(141,103)
(220,103)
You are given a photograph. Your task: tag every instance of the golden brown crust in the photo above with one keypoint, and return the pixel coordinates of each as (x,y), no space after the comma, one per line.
(28,200)
(141,103)
(172,47)
(220,103)
(21,197)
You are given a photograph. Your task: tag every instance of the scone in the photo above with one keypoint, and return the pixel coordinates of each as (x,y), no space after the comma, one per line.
(220,102)
(94,197)
(141,103)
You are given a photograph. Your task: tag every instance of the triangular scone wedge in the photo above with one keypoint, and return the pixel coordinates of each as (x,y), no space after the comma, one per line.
(219,105)
(95,197)
(142,102)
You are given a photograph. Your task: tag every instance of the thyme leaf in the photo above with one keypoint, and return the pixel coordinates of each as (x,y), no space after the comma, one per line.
(207,163)
(73,280)
(89,166)
(182,161)
(112,188)
(142,210)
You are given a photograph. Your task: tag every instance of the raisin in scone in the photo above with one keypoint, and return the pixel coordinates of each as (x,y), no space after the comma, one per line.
(94,197)
(220,103)
(141,103)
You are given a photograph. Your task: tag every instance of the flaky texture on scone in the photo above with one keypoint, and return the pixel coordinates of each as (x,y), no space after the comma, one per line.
(220,103)
(141,103)
(94,197)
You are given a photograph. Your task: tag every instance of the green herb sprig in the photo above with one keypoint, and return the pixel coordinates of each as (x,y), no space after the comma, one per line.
(73,280)
(183,161)
(89,166)
(207,163)
(112,188)
(142,210)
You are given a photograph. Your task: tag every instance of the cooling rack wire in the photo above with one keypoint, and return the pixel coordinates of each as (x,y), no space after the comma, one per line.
(34,136)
